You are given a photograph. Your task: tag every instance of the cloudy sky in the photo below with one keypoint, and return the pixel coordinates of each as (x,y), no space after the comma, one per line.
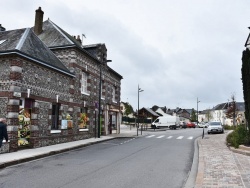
(175,50)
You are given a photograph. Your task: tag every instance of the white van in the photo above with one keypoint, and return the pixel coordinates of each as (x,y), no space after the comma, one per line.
(171,122)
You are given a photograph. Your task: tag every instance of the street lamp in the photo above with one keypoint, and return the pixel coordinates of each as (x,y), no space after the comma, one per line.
(139,90)
(100,94)
(197,118)
(197,110)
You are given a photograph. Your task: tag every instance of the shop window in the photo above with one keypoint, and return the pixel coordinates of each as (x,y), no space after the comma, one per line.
(55,116)
(25,107)
(83,119)
(67,122)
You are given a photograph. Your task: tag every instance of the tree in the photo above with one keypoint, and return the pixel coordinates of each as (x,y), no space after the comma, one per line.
(232,110)
(193,116)
(246,86)
(128,109)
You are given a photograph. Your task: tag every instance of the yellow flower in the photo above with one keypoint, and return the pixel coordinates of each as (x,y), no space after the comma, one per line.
(83,118)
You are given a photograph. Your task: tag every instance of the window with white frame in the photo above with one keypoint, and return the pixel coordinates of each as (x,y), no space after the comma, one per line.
(102,88)
(84,83)
(55,116)
(113,94)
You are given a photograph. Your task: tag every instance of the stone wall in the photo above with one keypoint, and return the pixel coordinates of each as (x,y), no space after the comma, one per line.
(17,75)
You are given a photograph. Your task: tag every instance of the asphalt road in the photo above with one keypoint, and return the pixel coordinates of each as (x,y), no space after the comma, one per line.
(159,159)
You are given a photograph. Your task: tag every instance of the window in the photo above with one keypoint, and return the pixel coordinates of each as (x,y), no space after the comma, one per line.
(55,116)
(102,93)
(84,83)
(83,118)
(21,103)
(25,107)
(113,94)
(84,110)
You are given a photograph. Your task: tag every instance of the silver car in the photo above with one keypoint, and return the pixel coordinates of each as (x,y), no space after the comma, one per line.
(202,125)
(215,127)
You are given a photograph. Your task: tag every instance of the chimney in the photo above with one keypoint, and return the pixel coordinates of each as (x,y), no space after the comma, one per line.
(78,39)
(38,28)
(2,28)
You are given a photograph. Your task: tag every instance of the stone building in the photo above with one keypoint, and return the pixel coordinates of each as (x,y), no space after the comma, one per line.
(50,85)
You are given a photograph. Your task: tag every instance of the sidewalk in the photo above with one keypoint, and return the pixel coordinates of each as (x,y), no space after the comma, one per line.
(218,165)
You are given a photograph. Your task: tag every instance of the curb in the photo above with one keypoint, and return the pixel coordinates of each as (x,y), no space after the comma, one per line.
(240,151)
(50,153)
(191,179)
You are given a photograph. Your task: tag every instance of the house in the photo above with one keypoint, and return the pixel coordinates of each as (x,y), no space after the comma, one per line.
(51,85)
(218,113)
(184,113)
(147,115)
(160,110)
(164,111)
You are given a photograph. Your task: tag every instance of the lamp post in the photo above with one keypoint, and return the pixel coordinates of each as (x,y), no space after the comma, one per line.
(197,110)
(197,119)
(139,90)
(100,94)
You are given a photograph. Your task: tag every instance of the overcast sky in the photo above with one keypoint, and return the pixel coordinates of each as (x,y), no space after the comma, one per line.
(175,50)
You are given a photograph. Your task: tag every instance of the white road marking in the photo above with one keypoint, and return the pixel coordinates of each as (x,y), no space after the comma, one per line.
(169,137)
(161,136)
(180,137)
(150,136)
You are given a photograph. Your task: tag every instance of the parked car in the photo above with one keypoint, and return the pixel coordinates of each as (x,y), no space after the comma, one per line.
(183,125)
(190,125)
(215,127)
(202,124)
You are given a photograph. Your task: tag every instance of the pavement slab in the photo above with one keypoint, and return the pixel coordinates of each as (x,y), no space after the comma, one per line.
(220,167)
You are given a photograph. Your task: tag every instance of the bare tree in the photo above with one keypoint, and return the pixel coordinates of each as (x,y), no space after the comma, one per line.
(232,110)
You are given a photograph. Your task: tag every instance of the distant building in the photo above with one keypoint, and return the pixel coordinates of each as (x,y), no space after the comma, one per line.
(218,113)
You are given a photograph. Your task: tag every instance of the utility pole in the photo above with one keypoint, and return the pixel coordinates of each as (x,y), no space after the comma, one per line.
(139,90)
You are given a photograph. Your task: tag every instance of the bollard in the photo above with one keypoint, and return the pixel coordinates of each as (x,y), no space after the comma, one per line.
(137,128)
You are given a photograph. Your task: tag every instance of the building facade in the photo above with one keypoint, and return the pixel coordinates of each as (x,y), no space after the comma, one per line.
(50,86)
(219,113)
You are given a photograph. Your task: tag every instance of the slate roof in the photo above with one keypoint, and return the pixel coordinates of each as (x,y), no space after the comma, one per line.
(190,110)
(25,43)
(151,111)
(240,106)
(223,106)
(183,111)
(55,37)
(92,48)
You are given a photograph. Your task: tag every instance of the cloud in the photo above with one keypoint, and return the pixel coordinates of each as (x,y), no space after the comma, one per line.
(175,50)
